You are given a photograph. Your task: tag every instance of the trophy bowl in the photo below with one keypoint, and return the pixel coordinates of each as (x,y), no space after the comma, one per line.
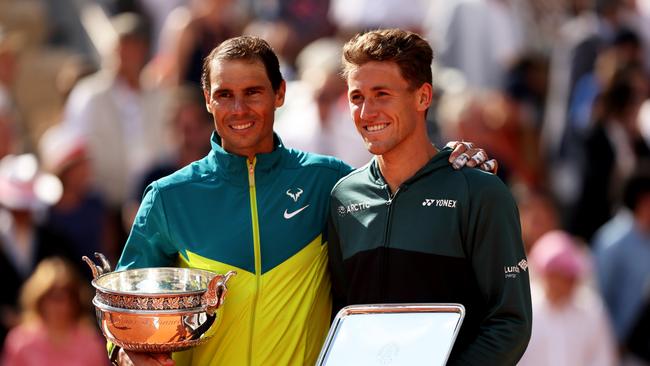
(157,310)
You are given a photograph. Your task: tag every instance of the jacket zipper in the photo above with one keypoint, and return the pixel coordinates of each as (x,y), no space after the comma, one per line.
(257,252)
(385,272)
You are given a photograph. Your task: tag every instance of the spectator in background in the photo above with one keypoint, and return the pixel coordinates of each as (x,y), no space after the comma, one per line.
(613,147)
(538,215)
(55,329)
(352,16)
(25,193)
(571,325)
(9,129)
(190,130)
(526,84)
(481,38)
(316,116)
(122,117)
(157,12)
(637,343)
(281,38)
(625,49)
(302,22)
(494,121)
(580,40)
(80,215)
(644,121)
(8,64)
(190,33)
(622,249)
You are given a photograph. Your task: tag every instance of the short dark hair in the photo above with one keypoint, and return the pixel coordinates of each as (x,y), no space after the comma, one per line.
(244,48)
(408,50)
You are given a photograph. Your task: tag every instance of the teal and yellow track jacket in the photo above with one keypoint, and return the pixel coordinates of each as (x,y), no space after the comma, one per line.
(263,218)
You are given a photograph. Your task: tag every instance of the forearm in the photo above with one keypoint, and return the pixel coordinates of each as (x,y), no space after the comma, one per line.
(501,271)
(501,342)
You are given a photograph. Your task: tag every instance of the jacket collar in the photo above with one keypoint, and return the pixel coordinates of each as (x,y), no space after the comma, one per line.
(439,160)
(232,164)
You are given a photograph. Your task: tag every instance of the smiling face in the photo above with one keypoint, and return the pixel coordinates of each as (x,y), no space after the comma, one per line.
(387,112)
(242,103)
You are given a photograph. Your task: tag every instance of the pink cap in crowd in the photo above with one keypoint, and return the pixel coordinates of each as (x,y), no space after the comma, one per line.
(557,252)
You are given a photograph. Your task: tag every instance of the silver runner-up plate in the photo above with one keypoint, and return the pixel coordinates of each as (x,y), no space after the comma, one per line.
(392,334)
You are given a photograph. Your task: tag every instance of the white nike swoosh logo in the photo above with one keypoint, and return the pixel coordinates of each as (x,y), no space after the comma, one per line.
(288,215)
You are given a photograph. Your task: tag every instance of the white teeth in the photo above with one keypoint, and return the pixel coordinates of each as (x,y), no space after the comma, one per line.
(242,126)
(374,128)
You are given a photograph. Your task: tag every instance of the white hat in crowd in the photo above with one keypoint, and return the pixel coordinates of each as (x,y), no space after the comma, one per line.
(24,187)
(61,147)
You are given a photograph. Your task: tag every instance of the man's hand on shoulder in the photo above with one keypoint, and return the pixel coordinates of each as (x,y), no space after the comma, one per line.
(465,154)
(128,358)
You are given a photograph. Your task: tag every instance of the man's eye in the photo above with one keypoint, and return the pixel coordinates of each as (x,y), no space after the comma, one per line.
(382,94)
(252,92)
(355,98)
(224,95)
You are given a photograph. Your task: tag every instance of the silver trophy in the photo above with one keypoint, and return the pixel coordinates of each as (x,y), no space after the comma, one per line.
(157,310)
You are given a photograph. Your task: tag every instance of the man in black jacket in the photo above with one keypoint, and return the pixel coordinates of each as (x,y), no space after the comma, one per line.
(409,228)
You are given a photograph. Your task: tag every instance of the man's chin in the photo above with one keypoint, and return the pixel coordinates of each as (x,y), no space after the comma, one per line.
(375,149)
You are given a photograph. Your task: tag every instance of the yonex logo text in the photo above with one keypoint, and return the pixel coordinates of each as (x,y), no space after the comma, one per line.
(439,202)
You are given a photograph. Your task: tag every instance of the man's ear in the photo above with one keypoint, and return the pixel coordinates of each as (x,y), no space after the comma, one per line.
(279,94)
(206,95)
(424,95)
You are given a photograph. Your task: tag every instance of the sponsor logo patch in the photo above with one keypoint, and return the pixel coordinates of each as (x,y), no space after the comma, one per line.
(294,195)
(513,271)
(288,215)
(352,208)
(439,202)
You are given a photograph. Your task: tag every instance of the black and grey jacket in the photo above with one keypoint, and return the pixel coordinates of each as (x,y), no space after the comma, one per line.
(444,236)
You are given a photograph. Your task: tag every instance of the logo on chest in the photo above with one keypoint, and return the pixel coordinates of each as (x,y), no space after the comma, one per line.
(353,207)
(439,202)
(294,194)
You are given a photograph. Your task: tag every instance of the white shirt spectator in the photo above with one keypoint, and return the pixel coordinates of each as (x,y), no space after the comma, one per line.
(577,333)
(125,130)
(363,14)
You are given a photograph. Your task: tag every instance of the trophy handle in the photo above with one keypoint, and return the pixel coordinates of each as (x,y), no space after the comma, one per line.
(97,270)
(216,292)
(195,332)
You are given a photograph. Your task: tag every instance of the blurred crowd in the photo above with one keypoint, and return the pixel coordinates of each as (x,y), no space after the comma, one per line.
(98,98)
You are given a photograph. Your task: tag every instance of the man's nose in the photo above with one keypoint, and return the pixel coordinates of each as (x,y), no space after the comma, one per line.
(239,105)
(368,110)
